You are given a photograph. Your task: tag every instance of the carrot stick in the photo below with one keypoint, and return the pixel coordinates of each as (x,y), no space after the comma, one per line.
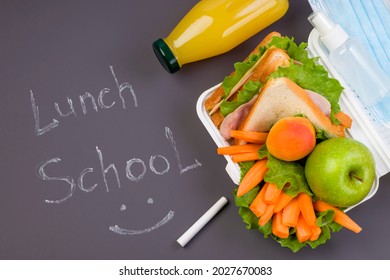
(278,228)
(258,205)
(339,217)
(253,177)
(267,215)
(272,194)
(245,157)
(303,229)
(284,199)
(306,207)
(238,149)
(315,233)
(291,213)
(249,136)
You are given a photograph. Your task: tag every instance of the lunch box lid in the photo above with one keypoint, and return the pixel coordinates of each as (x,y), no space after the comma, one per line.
(362,129)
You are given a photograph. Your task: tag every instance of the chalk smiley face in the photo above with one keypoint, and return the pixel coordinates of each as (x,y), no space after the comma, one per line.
(123,231)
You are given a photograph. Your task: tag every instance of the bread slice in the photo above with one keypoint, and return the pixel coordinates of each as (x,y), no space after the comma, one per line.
(281,98)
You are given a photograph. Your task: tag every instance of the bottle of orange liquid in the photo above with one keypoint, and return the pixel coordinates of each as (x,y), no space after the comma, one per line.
(213,27)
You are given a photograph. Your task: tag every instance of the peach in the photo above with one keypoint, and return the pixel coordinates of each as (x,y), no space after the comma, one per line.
(291,138)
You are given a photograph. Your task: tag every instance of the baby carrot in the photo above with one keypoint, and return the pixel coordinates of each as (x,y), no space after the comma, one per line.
(284,199)
(249,136)
(278,228)
(245,157)
(272,194)
(304,231)
(339,217)
(315,233)
(258,205)
(253,177)
(269,212)
(306,207)
(291,213)
(238,149)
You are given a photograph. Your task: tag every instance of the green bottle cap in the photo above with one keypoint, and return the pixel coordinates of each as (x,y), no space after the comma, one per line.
(165,56)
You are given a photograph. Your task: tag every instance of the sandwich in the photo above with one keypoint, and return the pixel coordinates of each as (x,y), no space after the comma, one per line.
(277,80)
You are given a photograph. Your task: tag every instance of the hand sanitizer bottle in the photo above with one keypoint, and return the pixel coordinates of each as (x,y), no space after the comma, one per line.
(355,64)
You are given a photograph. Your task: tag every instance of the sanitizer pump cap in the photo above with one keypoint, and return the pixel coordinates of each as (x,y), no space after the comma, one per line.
(331,34)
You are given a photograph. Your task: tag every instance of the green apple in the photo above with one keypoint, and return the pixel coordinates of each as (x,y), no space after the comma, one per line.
(340,171)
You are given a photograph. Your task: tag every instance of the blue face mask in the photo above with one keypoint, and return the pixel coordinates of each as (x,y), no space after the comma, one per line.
(368,21)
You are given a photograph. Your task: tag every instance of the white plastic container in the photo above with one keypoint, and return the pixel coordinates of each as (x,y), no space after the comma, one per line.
(363,128)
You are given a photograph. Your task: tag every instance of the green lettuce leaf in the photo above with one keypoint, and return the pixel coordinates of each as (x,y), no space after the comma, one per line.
(294,51)
(248,218)
(250,89)
(266,230)
(243,202)
(246,199)
(290,175)
(321,135)
(290,242)
(240,68)
(326,218)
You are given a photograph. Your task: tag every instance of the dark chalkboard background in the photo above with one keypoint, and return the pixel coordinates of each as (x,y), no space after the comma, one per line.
(58,51)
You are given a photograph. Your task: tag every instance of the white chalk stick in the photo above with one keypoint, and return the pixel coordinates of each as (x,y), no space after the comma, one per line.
(202,221)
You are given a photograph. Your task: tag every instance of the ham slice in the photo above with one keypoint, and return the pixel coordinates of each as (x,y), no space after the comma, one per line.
(234,119)
(322,103)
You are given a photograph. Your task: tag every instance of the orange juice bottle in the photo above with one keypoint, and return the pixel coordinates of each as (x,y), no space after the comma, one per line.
(213,27)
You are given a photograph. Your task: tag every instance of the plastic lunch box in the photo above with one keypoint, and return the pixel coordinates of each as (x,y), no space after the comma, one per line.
(362,129)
